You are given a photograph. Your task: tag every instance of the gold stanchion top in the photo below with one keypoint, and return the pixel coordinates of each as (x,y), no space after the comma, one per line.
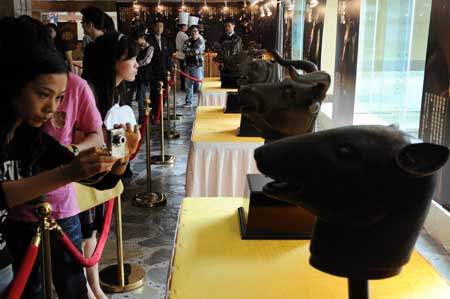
(148,109)
(161,84)
(43,210)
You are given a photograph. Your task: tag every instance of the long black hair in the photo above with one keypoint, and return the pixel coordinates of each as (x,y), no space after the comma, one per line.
(26,51)
(107,50)
(59,42)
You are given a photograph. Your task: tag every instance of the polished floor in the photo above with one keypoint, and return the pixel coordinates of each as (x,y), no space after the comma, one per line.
(149,233)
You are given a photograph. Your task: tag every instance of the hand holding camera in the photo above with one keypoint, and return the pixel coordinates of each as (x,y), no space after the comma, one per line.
(122,141)
(89,163)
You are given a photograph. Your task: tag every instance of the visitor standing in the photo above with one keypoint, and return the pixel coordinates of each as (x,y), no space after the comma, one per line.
(60,44)
(179,44)
(144,72)
(193,49)
(161,63)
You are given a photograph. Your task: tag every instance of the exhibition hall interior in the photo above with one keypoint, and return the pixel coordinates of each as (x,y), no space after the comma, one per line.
(216,149)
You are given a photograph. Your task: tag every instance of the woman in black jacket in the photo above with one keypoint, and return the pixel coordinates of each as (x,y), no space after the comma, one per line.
(33,78)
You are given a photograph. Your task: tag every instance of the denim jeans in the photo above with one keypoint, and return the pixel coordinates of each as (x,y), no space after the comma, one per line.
(68,275)
(196,72)
(6,277)
(141,89)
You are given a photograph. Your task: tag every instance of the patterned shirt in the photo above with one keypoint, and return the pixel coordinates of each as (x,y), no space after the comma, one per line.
(193,50)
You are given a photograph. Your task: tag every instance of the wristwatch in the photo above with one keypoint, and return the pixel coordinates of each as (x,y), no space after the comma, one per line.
(74,149)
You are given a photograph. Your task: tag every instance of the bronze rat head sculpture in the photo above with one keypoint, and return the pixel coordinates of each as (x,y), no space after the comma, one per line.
(286,108)
(369,187)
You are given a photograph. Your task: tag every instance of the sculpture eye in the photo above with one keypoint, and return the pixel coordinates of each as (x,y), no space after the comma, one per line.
(407,160)
(288,92)
(346,152)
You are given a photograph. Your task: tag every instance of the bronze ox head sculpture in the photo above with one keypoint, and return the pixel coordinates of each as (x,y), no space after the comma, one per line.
(369,187)
(257,71)
(264,71)
(285,108)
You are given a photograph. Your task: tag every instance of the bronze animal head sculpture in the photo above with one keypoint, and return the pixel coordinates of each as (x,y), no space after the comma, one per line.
(286,108)
(257,71)
(264,71)
(306,66)
(369,187)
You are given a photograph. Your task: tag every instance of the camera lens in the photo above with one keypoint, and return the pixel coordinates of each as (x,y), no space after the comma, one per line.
(119,139)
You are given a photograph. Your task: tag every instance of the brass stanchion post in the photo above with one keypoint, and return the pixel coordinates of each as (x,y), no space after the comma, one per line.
(174,91)
(43,212)
(121,277)
(149,199)
(171,134)
(162,159)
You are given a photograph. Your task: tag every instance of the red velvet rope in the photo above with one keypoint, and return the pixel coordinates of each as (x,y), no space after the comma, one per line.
(21,276)
(189,76)
(158,113)
(73,251)
(143,133)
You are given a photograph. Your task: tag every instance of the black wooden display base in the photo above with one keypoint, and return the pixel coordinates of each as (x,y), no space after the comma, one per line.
(358,289)
(228,80)
(232,105)
(268,218)
(246,129)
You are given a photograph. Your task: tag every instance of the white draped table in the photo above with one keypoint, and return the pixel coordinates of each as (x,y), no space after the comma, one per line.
(211,94)
(218,160)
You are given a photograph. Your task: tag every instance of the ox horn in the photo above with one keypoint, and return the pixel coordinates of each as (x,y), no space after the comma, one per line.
(321,78)
(304,65)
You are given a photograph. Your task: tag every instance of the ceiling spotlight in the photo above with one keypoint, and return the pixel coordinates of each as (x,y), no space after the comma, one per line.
(267,10)
(313,3)
(253,2)
(261,10)
(289,4)
(136,5)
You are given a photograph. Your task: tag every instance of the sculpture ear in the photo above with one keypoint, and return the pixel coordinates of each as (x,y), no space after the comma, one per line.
(320,90)
(422,159)
(394,126)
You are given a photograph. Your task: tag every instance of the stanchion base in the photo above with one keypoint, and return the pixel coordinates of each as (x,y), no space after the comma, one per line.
(168,160)
(146,200)
(172,135)
(177,117)
(134,278)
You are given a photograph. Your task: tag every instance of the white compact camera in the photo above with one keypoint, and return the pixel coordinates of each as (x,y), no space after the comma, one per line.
(116,142)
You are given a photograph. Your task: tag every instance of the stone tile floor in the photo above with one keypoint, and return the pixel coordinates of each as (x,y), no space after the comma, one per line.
(149,233)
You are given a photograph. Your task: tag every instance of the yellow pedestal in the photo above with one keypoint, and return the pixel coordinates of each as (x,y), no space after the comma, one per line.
(212,125)
(212,262)
(89,197)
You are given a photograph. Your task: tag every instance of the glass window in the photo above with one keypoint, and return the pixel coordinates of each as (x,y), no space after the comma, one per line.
(391,61)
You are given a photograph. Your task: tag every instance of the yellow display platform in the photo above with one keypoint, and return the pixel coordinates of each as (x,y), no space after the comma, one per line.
(89,197)
(212,262)
(213,84)
(212,125)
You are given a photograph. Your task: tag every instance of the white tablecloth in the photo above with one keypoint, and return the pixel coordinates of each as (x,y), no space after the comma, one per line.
(211,94)
(218,160)
(219,169)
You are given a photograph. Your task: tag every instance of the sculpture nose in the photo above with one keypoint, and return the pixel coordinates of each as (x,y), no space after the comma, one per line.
(247,98)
